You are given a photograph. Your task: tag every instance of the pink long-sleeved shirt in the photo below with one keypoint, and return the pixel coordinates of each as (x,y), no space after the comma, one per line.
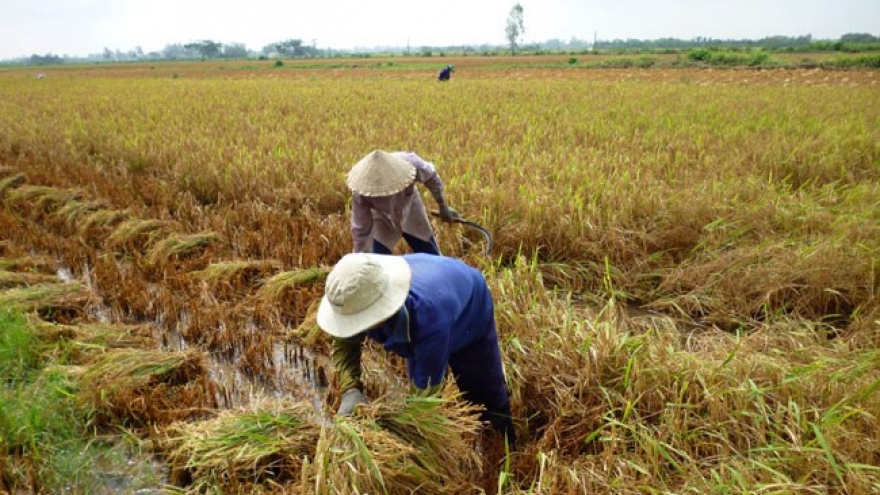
(386,218)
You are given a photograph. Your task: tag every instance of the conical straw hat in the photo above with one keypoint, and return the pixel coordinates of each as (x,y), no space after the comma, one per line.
(380,174)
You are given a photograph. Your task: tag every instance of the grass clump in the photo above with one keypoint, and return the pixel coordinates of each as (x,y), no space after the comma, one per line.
(45,442)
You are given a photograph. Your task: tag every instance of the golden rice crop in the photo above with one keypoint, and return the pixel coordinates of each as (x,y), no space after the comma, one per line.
(738,207)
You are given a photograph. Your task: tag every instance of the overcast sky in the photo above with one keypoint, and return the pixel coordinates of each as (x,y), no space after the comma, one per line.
(81,27)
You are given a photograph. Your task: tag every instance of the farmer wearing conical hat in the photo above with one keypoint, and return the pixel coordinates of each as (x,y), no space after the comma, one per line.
(387,206)
(435,311)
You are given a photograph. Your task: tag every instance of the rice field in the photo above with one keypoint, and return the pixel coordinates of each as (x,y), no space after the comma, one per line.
(685,268)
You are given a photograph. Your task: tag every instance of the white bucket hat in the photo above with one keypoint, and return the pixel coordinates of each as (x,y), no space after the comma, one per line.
(363,289)
(380,173)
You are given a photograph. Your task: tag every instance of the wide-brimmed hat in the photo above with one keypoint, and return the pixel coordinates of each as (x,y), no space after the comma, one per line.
(380,174)
(363,289)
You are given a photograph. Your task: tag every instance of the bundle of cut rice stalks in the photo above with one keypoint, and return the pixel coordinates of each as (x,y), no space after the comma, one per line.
(10,279)
(285,297)
(416,445)
(142,387)
(53,301)
(87,340)
(229,279)
(267,444)
(413,445)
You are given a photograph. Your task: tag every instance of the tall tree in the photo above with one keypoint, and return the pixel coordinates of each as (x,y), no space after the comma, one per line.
(290,48)
(515,27)
(206,48)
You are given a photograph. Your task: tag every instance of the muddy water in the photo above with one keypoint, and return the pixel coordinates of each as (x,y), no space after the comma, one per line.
(295,372)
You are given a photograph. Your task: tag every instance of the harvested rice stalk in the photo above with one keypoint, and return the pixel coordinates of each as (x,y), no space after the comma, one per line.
(233,276)
(47,297)
(11,182)
(308,333)
(101,218)
(275,288)
(423,445)
(180,245)
(141,387)
(44,198)
(73,210)
(138,234)
(238,447)
(285,298)
(90,339)
(42,264)
(23,279)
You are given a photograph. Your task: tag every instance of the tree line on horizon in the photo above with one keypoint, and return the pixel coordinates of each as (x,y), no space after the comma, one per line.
(297,48)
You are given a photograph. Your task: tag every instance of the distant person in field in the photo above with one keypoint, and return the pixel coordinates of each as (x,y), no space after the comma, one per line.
(386,205)
(434,311)
(446,73)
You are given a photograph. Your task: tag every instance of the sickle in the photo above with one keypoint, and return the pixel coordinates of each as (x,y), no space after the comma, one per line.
(486,234)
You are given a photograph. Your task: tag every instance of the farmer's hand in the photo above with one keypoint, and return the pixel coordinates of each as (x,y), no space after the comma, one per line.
(352,398)
(447,214)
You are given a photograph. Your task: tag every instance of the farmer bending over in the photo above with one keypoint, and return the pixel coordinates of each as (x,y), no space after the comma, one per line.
(446,73)
(386,204)
(435,311)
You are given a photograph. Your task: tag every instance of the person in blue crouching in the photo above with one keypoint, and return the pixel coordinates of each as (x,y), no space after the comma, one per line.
(435,311)
(446,73)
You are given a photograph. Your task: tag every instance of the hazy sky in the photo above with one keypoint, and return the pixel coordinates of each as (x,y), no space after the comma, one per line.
(80,27)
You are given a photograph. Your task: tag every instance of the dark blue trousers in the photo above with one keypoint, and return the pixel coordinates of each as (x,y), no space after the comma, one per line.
(480,378)
(416,244)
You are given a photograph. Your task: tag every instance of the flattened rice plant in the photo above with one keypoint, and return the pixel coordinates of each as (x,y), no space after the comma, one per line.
(136,387)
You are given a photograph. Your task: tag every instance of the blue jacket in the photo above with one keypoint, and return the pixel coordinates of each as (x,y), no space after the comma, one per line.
(448,307)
